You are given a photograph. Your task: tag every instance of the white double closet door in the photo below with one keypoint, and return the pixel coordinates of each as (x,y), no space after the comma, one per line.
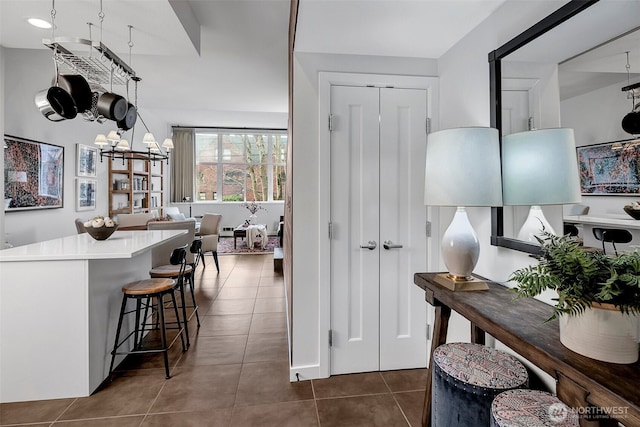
(378,239)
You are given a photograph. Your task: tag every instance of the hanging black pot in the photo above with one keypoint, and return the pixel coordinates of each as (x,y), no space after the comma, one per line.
(631,123)
(79,90)
(129,119)
(56,104)
(112,106)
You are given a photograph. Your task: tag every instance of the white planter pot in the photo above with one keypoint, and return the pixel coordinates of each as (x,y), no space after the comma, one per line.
(603,333)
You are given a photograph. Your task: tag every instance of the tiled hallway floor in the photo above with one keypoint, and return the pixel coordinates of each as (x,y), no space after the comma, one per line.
(235,373)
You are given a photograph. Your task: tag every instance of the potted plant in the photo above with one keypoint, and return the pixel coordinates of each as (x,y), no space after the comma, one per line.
(598,296)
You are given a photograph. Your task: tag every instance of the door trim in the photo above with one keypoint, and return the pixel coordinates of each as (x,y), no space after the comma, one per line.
(325,81)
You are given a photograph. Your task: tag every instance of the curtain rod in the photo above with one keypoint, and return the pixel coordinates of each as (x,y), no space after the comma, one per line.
(225,127)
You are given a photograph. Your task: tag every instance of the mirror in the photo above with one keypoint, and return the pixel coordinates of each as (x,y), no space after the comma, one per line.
(535,76)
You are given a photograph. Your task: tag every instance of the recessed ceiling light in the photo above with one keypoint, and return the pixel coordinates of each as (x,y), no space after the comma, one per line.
(40,23)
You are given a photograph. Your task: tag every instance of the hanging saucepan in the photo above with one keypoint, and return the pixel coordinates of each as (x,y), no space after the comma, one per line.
(56,104)
(112,106)
(631,122)
(79,89)
(129,119)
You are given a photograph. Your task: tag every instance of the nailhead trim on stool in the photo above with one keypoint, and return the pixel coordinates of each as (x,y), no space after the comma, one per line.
(466,378)
(528,408)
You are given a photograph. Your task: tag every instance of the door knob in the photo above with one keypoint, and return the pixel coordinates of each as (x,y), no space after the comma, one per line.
(388,244)
(371,245)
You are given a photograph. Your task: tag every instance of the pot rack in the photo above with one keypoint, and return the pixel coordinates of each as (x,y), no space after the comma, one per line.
(98,65)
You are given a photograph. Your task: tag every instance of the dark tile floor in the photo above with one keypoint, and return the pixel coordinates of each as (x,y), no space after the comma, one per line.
(235,373)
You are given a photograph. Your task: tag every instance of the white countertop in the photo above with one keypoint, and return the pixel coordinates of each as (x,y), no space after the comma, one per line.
(121,244)
(619,220)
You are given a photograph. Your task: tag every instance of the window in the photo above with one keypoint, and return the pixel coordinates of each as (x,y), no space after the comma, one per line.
(236,166)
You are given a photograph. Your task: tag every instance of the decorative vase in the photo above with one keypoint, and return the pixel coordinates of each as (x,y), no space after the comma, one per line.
(601,332)
(253,218)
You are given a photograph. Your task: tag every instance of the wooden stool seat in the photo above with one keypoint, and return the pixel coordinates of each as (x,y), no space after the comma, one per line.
(148,286)
(168,271)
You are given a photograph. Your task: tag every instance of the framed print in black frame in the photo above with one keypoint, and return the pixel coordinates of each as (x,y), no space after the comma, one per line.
(86,160)
(611,168)
(33,174)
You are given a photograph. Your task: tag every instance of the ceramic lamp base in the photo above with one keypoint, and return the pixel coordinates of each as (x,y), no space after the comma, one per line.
(533,226)
(460,247)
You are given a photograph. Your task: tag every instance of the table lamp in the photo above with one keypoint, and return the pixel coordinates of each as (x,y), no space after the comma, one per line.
(539,167)
(462,170)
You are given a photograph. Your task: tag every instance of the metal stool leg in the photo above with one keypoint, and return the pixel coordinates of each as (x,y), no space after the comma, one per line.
(193,297)
(175,310)
(115,344)
(184,309)
(163,335)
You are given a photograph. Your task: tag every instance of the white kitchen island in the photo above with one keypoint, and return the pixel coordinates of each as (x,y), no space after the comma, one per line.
(59,307)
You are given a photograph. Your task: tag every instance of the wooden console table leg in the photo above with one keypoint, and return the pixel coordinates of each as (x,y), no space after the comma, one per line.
(477,335)
(442,315)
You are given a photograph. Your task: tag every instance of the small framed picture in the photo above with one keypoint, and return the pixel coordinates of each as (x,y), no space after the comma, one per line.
(85,194)
(87,158)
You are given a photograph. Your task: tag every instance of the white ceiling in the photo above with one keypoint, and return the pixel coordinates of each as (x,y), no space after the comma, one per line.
(242,65)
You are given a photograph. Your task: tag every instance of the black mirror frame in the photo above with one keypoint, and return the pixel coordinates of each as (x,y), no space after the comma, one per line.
(495,88)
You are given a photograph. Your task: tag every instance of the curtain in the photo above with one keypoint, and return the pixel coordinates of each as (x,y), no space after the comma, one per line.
(182,164)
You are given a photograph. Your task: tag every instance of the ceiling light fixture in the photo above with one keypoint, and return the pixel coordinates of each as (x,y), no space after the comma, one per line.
(39,23)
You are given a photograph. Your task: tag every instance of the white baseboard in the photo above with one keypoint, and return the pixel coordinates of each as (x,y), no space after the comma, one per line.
(308,372)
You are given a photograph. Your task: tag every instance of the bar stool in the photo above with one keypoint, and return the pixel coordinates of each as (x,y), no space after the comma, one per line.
(466,378)
(178,270)
(613,235)
(146,290)
(525,408)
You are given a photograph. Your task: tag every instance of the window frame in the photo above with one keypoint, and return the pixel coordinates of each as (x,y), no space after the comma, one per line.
(220,163)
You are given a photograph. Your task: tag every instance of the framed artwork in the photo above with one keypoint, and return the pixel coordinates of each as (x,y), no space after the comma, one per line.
(86,160)
(610,168)
(85,194)
(33,174)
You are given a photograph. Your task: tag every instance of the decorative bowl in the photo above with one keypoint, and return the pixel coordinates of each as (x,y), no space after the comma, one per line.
(101,233)
(635,213)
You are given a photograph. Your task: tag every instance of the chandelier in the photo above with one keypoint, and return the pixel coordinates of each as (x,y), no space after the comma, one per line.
(119,148)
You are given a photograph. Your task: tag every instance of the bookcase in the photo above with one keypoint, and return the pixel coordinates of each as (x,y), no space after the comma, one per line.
(135,185)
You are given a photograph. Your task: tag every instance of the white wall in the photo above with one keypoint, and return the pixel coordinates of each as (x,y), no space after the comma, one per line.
(28,71)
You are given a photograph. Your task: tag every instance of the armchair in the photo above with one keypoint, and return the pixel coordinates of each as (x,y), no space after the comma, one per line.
(210,233)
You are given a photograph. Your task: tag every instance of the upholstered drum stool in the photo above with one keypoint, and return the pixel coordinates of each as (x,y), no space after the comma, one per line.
(466,378)
(531,408)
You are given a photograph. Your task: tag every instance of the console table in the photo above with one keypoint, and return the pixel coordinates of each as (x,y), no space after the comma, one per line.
(591,386)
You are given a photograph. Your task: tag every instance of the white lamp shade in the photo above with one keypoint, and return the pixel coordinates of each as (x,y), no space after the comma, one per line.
(148,139)
(123,145)
(168,143)
(101,140)
(539,167)
(113,136)
(463,168)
